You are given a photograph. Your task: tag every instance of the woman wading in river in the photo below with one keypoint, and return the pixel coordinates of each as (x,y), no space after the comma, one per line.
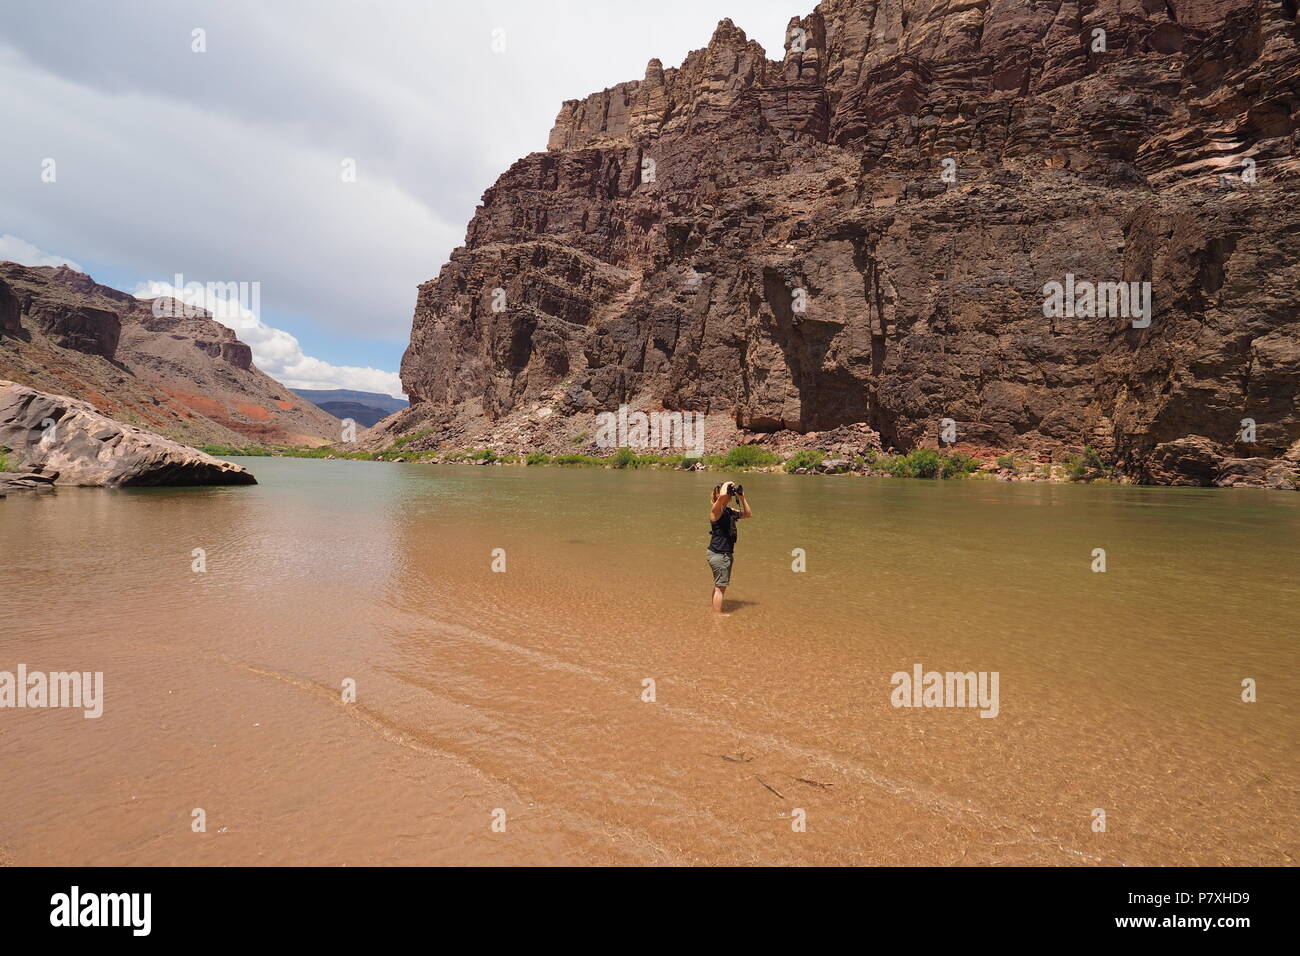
(723,516)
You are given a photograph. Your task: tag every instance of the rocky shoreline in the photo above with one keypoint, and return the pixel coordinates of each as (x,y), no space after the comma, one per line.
(542,436)
(956,461)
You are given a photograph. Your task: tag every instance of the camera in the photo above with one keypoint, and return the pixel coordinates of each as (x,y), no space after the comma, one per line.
(737,489)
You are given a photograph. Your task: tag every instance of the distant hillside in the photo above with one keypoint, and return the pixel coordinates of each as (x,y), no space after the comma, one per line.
(364,408)
(187,377)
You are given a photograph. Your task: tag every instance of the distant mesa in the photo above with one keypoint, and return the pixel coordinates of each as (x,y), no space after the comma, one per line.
(364,408)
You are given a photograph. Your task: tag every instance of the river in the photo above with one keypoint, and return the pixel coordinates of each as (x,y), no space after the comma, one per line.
(585,705)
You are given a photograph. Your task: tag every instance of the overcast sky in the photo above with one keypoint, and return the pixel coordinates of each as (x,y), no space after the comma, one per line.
(226,165)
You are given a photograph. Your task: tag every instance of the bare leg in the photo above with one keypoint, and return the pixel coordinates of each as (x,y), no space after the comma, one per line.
(717,599)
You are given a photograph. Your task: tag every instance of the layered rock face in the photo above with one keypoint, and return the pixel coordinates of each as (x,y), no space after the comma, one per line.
(68,442)
(11,311)
(179,373)
(82,328)
(927,210)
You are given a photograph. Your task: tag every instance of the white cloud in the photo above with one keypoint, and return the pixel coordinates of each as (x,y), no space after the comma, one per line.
(13,249)
(275,351)
(166,187)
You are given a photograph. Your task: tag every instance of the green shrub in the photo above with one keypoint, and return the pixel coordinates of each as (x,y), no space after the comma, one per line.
(958,464)
(1009,461)
(231,451)
(578,439)
(804,459)
(577,460)
(538,458)
(677,461)
(5,464)
(924,463)
(749,456)
(1086,466)
(407,439)
(927,463)
(291,451)
(623,457)
(896,465)
(483,454)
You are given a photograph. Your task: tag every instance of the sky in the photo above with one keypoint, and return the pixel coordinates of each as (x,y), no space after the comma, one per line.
(229,163)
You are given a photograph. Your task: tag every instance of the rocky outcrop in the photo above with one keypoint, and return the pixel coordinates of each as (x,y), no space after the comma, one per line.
(171,369)
(79,327)
(25,481)
(68,442)
(10,311)
(1197,460)
(865,232)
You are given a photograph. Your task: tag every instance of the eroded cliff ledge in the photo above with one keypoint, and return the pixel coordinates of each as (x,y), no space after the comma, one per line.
(177,372)
(777,243)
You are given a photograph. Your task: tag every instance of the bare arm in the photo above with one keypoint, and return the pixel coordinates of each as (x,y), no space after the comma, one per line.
(744,505)
(716,511)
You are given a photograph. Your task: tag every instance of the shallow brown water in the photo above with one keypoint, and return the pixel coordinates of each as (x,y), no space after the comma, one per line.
(522,691)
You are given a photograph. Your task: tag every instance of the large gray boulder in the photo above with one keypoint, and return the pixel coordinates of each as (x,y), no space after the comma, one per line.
(85,447)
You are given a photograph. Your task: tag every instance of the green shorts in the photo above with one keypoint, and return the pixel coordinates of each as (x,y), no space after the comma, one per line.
(721,565)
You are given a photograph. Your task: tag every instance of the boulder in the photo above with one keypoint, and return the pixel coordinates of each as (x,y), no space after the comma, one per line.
(1194,460)
(27,482)
(68,442)
(834,466)
(1258,473)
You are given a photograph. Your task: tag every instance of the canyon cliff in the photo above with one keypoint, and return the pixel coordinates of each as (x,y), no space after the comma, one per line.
(181,374)
(860,237)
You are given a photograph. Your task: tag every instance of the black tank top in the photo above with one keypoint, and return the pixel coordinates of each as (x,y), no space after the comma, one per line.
(722,532)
